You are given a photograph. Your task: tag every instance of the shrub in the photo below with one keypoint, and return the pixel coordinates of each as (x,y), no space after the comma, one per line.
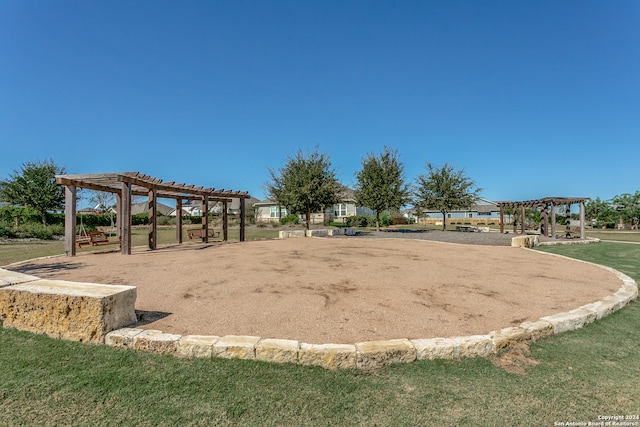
(358,221)
(166,220)
(39,231)
(289,219)
(6,230)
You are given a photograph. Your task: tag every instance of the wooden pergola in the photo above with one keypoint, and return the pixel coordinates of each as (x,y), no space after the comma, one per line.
(547,226)
(127,184)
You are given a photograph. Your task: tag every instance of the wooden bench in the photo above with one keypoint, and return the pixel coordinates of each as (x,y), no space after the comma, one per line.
(95,238)
(199,233)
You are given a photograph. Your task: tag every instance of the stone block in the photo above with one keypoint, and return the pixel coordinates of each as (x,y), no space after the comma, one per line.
(508,337)
(154,341)
(285,234)
(528,241)
(8,278)
(277,350)
(73,311)
(122,338)
(571,320)
(328,356)
(196,346)
(376,354)
(473,346)
(601,308)
(317,233)
(538,330)
(236,347)
(434,348)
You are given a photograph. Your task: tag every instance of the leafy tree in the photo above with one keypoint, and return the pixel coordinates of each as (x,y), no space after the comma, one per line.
(600,210)
(445,189)
(627,205)
(34,185)
(381,185)
(305,184)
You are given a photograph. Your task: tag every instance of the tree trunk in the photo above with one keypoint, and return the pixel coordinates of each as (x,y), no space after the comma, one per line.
(43,215)
(308,218)
(444,220)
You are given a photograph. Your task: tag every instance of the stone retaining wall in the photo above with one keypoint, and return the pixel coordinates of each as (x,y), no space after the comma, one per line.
(17,293)
(73,311)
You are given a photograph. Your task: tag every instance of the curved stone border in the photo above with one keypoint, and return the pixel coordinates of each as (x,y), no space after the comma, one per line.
(363,355)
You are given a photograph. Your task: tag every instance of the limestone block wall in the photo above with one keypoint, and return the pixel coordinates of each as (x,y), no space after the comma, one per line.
(73,311)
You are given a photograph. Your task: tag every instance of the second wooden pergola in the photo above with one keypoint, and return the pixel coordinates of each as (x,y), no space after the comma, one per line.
(546,226)
(127,184)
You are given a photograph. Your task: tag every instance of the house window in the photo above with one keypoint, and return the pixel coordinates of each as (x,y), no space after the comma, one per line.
(340,209)
(273,212)
(470,215)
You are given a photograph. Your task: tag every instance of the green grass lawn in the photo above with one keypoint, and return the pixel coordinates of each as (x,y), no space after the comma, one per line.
(578,376)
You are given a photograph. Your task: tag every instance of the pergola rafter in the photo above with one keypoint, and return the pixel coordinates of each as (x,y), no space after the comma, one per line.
(543,204)
(128,184)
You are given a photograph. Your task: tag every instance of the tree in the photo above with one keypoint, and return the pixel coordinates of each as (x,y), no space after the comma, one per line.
(305,184)
(104,201)
(381,185)
(601,211)
(628,206)
(34,186)
(445,189)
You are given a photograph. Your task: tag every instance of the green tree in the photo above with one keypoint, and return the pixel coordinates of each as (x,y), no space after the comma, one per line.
(600,210)
(627,205)
(445,189)
(380,183)
(34,185)
(305,184)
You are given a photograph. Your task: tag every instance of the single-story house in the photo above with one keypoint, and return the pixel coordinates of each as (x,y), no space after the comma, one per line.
(270,211)
(482,211)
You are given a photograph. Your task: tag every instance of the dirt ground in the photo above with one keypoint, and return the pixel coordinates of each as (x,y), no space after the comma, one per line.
(341,289)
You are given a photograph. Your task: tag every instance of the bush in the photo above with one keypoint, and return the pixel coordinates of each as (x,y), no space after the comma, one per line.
(399,220)
(39,231)
(358,221)
(6,230)
(166,220)
(289,219)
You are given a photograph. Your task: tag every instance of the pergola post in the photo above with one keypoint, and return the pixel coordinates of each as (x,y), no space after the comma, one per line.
(205,219)
(153,220)
(225,222)
(242,219)
(501,219)
(553,221)
(70,220)
(178,220)
(582,219)
(522,219)
(125,222)
(544,220)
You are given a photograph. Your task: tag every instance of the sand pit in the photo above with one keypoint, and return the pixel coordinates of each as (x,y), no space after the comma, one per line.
(340,290)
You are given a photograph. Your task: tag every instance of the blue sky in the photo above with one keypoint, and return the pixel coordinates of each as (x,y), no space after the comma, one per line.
(532,99)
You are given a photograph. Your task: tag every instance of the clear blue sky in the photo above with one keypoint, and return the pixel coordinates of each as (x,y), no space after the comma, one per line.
(532,99)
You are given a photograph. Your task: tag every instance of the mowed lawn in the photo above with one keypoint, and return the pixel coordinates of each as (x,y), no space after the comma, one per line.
(573,377)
